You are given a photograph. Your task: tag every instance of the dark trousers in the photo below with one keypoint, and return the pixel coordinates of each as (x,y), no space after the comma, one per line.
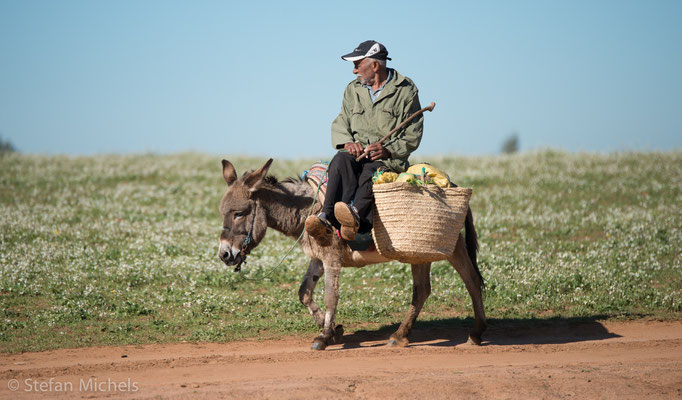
(350,181)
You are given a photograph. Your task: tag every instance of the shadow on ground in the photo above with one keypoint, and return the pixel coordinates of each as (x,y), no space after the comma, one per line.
(501,332)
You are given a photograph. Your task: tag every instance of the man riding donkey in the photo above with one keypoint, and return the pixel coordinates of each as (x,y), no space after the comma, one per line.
(380,100)
(373,104)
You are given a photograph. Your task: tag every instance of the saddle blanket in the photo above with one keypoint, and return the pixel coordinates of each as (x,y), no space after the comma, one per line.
(317,176)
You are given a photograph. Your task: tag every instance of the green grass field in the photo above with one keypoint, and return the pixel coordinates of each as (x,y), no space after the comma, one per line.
(122,249)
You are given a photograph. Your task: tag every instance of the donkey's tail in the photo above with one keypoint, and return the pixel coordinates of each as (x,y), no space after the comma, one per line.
(471,239)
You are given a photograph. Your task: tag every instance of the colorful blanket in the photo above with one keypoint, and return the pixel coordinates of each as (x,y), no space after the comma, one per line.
(317,175)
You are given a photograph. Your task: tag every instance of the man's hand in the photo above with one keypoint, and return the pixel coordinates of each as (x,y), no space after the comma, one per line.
(355,149)
(377,151)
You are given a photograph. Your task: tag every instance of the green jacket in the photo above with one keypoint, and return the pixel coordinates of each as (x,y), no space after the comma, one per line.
(365,122)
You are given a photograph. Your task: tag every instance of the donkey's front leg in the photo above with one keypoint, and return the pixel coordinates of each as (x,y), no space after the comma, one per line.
(421,289)
(330,334)
(305,293)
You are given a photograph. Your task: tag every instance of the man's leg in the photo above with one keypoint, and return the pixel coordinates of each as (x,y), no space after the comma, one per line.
(364,197)
(342,183)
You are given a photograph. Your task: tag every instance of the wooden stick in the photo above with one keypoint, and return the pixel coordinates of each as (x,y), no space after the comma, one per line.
(399,127)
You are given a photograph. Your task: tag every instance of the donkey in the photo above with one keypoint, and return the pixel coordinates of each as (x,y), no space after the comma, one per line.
(255,202)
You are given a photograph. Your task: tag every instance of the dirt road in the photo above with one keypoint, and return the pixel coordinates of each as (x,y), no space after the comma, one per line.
(556,359)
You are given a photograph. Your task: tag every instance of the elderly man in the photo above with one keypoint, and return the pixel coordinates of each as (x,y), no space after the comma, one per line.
(373,104)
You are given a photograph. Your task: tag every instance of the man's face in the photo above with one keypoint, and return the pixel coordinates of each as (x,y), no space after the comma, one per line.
(363,69)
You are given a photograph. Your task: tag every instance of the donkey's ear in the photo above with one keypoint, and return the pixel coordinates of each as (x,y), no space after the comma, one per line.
(229,173)
(254,181)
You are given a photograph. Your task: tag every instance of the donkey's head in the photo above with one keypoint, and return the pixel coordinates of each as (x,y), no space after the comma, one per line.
(244,218)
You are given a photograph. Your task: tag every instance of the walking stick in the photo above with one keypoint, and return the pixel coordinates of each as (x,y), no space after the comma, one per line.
(399,127)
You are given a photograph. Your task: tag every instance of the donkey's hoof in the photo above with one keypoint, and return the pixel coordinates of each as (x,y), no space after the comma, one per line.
(318,344)
(395,341)
(338,334)
(474,339)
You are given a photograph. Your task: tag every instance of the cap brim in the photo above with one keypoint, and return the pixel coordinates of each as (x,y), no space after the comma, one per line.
(353,56)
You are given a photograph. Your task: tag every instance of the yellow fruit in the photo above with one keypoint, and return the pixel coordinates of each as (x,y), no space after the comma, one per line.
(385,177)
(406,177)
(389,177)
(439,177)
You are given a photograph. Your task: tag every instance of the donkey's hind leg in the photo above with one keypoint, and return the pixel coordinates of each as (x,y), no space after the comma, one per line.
(421,289)
(305,293)
(462,263)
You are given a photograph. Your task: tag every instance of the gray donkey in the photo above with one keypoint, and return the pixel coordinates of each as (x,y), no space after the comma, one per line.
(255,202)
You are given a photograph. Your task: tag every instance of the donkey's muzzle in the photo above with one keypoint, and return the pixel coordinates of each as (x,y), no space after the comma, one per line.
(229,259)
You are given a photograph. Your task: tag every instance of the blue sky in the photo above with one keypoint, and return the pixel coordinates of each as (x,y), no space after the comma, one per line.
(266,78)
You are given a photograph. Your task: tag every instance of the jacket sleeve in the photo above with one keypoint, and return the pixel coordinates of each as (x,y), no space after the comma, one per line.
(403,143)
(341,133)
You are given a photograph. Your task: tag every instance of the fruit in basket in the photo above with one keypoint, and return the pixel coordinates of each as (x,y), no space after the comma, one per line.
(407,177)
(432,173)
(384,177)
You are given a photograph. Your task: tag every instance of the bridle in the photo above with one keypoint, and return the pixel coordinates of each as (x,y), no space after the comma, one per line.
(250,235)
(248,239)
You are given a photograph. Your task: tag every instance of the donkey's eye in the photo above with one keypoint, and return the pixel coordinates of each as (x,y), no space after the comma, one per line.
(238,214)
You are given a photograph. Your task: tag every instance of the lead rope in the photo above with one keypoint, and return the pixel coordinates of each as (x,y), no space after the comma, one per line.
(248,239)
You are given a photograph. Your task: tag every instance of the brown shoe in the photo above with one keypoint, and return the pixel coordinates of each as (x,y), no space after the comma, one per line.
(347,233)
(320,229)
(348,218)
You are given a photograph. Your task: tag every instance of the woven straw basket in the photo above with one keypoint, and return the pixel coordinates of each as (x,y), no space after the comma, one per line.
(418,224)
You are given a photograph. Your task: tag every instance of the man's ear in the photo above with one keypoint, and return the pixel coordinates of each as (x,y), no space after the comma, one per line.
(254,181)
(229,174)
